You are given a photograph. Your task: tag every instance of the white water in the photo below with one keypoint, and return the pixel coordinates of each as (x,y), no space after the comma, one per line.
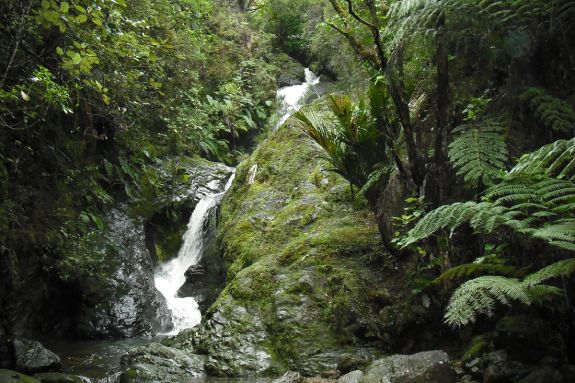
(294,96)
(171,275)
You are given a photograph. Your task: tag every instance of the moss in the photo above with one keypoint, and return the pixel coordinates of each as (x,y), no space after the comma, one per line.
(477,347)
(296,251)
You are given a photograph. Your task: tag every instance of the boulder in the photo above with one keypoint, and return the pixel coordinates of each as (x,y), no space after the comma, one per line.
(31,357)
(291,72)
(289,377)
(351,377)
(9,376)
(58,377)
(423,367)
(158,363)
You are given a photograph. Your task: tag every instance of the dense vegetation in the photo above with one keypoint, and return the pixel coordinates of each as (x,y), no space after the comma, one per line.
(467,105)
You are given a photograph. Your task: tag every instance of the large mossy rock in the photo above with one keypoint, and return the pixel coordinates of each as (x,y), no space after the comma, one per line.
(31,356)
(308,282)
(423,367)
(9,376)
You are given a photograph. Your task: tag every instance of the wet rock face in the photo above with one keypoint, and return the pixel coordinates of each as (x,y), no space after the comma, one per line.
(423,367)
(157,363)
(31,357)
(191,179)
(291,72)
(126,304)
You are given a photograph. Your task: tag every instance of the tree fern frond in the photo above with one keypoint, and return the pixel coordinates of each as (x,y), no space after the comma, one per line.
(554,160)
(470,269)
(550,111)
(557,234)
(558,269)
(480,296)
(479,152)
(444,217)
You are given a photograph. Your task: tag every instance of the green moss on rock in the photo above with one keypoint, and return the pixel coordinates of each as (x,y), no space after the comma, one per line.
(299,259)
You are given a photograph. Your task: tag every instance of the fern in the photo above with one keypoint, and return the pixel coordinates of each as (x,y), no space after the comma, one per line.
(470,269)
(554,160)
(479,152)
(411,16)
(551,112)
(480,296)
(558,269)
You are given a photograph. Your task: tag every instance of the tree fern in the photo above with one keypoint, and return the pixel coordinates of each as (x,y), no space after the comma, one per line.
(471,269)
(558,269)
(555,160)
(410,16)
(550,111)
(481,295)
(479,152)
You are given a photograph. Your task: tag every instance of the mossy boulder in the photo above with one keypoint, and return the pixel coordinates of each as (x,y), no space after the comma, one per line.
(9,376)
(307,276)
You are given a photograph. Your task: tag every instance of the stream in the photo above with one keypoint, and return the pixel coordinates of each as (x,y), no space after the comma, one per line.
(99,359)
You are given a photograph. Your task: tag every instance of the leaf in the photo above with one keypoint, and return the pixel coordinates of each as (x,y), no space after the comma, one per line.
(81,18)
(59,51)
(24,96)
(64,7)
(76,58)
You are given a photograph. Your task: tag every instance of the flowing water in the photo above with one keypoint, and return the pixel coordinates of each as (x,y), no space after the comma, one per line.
(99,359)
(171,275)
(295,96)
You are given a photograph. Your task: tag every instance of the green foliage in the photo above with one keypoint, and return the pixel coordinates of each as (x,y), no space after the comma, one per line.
(480,296)
(554,160)
(479,152)
(348,135)
(471,269)
(533,199)
(551,112)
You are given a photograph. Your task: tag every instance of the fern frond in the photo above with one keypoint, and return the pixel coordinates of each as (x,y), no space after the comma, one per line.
(479,152)
(480,296)
(470,269)
(554,160)
(560,235)
(555,270)
(550,111)
(444,217)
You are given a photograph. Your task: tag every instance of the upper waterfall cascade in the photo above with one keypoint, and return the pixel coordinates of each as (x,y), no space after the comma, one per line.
(294,96)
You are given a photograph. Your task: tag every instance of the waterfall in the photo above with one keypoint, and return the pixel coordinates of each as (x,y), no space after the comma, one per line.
(294,96)
(171,275)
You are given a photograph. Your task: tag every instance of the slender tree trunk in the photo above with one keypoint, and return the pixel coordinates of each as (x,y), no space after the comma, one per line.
(17,40)
(442,119)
